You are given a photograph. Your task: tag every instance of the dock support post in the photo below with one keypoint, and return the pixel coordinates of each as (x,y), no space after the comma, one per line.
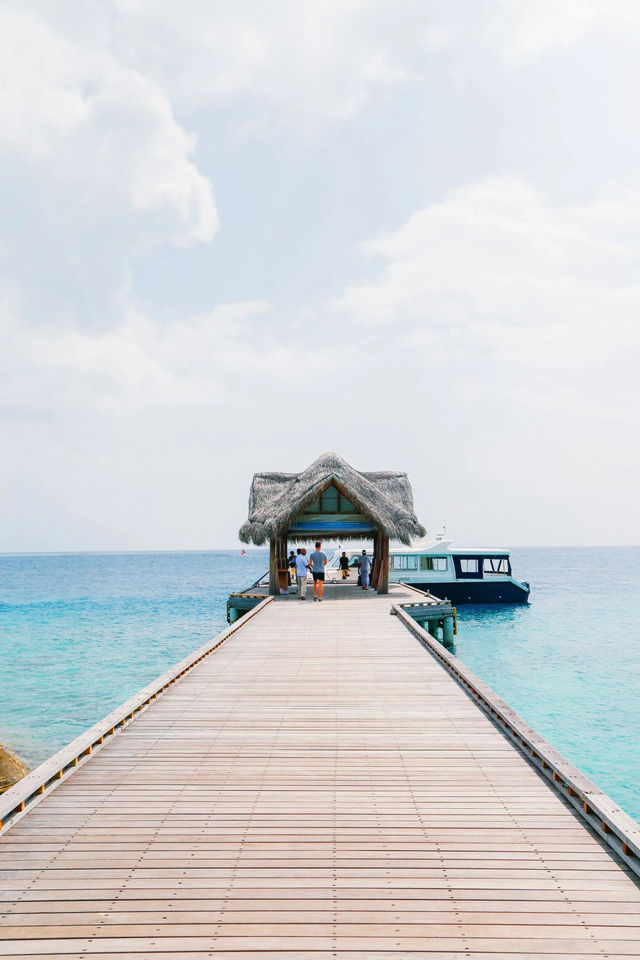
(234,614)
(433,628)
(447,631)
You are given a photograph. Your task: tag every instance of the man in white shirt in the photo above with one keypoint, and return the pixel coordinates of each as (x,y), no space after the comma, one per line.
(302,566)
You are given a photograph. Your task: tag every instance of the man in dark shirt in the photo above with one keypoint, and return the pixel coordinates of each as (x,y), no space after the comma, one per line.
(317,563)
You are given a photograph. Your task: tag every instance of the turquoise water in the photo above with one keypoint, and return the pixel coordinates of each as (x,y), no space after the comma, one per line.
(80,633)
(569,662)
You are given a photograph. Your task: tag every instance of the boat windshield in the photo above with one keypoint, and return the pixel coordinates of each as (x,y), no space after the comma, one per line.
(493,565)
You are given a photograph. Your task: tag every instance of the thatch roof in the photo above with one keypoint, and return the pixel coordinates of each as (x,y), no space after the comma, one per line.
(276,500)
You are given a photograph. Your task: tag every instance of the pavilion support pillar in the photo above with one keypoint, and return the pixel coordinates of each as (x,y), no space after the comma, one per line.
(375,573)
(273,568)
(278,566)
(383,570)
(285,554)
(283,566)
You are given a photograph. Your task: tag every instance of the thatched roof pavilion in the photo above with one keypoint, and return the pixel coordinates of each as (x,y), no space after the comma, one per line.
(331,500)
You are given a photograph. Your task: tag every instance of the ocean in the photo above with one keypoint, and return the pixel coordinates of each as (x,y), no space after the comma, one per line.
(569,661)
(80,633)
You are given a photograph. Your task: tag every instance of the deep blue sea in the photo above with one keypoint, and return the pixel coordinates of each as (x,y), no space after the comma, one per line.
(80,633)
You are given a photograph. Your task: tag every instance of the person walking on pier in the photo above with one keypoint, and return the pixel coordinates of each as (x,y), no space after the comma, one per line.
(365,567)
(317,563)
(302,567)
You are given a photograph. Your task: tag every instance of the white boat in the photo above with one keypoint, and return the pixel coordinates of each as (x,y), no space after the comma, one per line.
(458,574)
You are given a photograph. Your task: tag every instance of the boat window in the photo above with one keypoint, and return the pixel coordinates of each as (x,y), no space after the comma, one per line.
(433,563)
(404,563)
(496,565)
(469,564)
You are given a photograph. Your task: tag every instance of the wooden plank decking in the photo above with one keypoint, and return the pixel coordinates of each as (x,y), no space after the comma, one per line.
(319,787)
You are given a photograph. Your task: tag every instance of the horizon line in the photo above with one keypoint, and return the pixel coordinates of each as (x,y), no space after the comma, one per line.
(254,549)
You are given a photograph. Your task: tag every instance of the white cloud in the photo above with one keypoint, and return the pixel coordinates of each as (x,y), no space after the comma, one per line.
(198,361)
(322,60)
(94,169)
(524,31)
(500,283)
(306,63)
(229,359)
(41,97)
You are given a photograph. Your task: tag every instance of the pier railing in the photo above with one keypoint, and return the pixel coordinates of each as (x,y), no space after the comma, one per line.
(617,829)
(20,798)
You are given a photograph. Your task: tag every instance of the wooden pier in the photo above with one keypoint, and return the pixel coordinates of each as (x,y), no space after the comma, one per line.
(321,781)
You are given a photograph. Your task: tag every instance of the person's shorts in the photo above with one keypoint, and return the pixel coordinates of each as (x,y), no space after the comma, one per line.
(318,576)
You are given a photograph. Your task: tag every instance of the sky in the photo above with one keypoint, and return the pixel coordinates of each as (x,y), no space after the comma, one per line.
(236,236)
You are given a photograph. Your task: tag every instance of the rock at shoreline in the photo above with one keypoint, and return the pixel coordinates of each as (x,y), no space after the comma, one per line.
(12,769)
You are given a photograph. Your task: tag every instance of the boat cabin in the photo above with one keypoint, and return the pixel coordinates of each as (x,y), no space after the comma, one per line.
(458,574)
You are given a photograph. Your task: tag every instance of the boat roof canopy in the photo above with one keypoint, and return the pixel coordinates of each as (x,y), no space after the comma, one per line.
(444,547)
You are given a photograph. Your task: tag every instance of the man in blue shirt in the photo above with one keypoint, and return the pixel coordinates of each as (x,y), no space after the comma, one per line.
(317,563)
(365,567)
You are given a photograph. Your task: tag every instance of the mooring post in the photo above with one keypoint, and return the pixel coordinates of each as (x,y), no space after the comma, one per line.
(447,631)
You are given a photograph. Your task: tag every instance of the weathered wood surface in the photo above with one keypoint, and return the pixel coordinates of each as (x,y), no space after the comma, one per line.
(319,787)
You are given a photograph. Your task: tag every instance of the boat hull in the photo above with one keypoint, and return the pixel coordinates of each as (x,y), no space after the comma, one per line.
(475,591)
